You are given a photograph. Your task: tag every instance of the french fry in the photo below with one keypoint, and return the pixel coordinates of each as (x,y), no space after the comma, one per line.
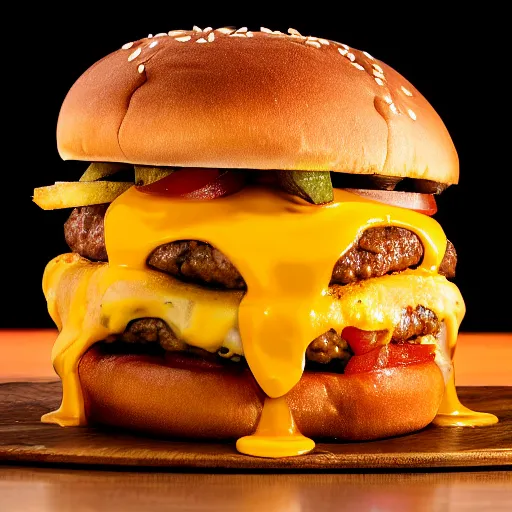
(144,175)
(69,194)
(98,170)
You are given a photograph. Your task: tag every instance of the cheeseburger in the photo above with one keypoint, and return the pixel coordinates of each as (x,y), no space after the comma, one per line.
(253,250)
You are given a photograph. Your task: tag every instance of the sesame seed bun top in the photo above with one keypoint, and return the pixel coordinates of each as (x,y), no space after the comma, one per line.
(254,100)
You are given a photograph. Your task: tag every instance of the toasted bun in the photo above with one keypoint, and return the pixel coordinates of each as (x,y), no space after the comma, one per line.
(142,393)
(255,100)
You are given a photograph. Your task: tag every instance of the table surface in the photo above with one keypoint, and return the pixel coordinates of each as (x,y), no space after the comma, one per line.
(482,359)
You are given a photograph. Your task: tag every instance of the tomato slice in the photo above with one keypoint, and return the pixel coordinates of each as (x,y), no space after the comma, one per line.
(390,356)
(422,203)
(361,341)
(197,183)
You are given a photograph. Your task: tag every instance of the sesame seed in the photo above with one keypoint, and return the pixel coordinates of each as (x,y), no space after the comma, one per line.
(324,42)
(266,30)
(345,46)
(183,39)
(412,114)
(378,74)
(160,34)
(173,33)
(388,99)
(378,68)
(153,44)
(358,66)
(211,37)
(406,91)
(226,30)
(241,29)
(135,54)
(294,32)
(342,51)
(316,44)
(379,81)
(150,36)
(393,108)
(127,46)
(368,55)
(249,34)
(351,56)
(237,34)
(201,40)
(197,29)
(207,29)
(140,69)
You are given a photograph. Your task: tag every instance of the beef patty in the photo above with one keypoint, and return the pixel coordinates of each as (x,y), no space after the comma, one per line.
(328,352)
(379,251)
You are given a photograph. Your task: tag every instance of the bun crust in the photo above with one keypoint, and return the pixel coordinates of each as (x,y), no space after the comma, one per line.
(254,100)
(142,393)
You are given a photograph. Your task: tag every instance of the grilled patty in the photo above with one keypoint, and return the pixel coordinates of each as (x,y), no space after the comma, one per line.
(379,251)
(328,351)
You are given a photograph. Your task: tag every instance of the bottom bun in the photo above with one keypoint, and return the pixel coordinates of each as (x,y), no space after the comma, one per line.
(181,399)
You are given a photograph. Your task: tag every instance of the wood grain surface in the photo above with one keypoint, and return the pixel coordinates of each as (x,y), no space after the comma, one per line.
(23,438)
(50,489)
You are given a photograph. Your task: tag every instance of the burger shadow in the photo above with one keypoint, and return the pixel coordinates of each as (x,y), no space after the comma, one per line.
(430,443)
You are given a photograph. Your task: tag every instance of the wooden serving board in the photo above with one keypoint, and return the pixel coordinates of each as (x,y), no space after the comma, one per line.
(23,438)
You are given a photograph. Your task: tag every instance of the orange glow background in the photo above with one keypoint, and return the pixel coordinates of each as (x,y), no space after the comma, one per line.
(481,359)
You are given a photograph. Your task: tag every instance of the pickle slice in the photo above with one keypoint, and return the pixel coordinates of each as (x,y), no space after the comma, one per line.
(144,175)
(313,186)
(98,170)
(71,194)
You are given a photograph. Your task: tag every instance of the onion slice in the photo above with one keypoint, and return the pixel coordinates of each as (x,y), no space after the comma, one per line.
(422,203)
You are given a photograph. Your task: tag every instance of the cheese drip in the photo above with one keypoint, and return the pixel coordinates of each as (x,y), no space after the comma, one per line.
(284,248)
(276,435)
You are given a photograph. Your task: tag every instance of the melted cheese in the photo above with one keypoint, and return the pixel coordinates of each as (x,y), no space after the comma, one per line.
(284,248)
(276,435)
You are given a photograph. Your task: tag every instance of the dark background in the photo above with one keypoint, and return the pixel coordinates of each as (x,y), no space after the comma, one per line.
(457,60)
